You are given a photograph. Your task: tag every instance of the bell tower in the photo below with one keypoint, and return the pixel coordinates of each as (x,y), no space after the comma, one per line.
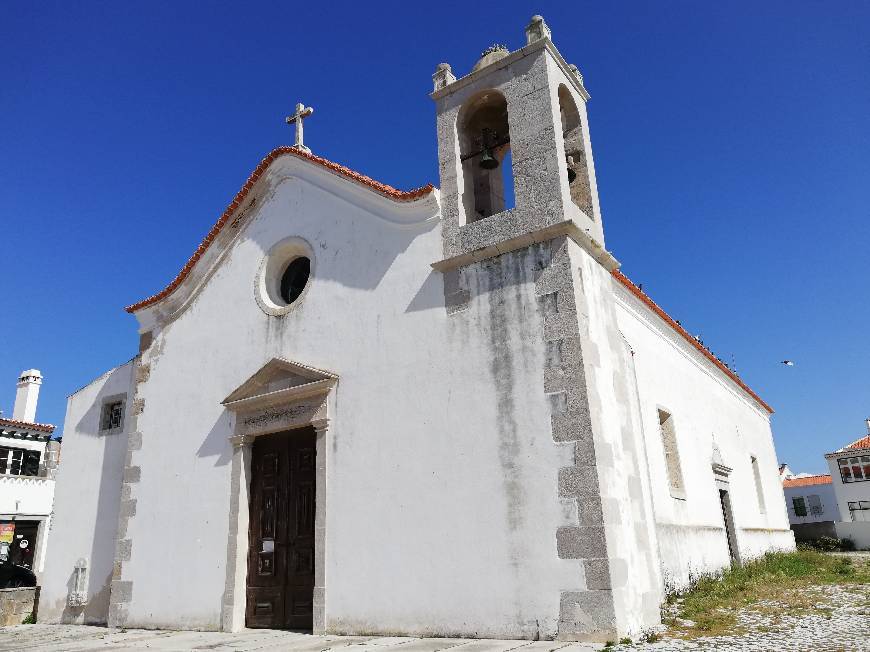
(527,278)
(518,119)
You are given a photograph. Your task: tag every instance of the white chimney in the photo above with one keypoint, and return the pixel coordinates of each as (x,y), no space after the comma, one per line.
(867,423)
(26,396)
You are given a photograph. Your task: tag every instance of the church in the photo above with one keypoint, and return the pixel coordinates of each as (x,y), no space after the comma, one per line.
(436,412)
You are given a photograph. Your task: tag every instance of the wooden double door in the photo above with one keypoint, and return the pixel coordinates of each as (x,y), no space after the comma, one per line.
(280,588)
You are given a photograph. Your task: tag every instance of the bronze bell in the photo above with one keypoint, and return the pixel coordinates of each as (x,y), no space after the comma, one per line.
(488,161)
(571,174)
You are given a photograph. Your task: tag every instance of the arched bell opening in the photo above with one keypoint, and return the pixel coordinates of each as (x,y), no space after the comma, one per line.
(485,145)
(575,154)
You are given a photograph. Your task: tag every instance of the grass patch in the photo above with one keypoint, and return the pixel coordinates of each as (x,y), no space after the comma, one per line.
(776,584)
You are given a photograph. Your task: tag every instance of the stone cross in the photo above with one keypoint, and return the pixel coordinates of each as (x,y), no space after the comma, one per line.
(302,112)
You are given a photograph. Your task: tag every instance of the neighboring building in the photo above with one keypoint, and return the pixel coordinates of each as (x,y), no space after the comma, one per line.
(363,410)
(28,460)
(850,469)
(812,506)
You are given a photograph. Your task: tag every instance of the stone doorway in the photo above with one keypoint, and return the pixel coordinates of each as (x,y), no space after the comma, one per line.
(280,585)
(290,400)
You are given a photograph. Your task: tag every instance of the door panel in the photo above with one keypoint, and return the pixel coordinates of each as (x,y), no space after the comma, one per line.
(281,532)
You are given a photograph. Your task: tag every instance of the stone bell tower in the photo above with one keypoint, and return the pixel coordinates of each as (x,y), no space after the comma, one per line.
(529,104)
(518,119)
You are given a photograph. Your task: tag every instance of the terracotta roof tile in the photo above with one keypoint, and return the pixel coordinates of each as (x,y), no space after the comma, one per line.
(377,186)
(807,482)
(636,291)
(864,442)
(14,423)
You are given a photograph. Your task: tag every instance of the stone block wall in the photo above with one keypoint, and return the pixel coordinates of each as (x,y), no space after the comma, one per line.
(17,604)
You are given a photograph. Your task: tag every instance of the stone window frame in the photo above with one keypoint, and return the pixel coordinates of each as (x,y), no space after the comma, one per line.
(673,469)
(106,404)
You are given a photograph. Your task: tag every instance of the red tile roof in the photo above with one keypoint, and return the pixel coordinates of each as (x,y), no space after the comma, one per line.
(636,291)
(377,186)
(864,442)
(13,423)
(807,482)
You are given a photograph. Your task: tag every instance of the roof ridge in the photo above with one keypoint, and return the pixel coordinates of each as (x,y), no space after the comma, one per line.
(47,427)
(381,188)
(640,294)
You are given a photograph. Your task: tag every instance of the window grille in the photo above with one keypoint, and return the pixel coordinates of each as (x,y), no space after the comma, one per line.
(860,511)
(113,416)
(18,461)
(854,469)
(815,505)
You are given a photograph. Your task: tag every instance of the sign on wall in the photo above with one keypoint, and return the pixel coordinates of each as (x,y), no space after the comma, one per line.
(7,532)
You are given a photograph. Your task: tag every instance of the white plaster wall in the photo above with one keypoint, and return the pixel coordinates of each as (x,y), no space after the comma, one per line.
(825,492)
(847,492)
(705,405)
(619,449)
(86,504)
(858,532)
(442,499)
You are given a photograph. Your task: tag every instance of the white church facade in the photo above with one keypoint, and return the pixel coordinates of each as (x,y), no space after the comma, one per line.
(363,410)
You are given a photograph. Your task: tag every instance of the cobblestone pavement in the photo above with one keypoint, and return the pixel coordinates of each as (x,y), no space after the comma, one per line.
(843,625)
(79,638)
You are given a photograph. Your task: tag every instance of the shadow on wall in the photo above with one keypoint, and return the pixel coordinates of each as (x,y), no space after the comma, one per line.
(367,247)
(102,552)
(217,441)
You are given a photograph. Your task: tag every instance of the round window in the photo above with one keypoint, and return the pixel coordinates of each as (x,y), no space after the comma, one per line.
(294,279)
(285,276)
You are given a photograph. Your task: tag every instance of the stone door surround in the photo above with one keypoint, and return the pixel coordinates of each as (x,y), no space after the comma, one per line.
(281,396)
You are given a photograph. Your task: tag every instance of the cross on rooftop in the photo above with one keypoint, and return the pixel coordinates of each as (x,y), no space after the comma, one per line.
(302,112)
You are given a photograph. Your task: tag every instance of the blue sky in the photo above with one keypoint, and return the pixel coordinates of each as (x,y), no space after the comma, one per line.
(731,143)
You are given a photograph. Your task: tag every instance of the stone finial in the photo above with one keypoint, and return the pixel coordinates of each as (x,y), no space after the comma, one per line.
(576,72)
(537,29)
(443,76)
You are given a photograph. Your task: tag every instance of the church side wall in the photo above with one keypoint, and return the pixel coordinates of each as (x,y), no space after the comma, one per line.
(442,472)
(707,408)
(86,501)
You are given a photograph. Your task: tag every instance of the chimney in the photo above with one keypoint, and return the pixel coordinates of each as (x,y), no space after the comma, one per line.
(27,395)
(867,423)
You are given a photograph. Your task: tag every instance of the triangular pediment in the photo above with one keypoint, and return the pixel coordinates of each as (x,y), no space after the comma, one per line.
(280,380)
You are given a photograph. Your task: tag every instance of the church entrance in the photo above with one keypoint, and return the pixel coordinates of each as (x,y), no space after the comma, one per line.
(725,503)
(280,586)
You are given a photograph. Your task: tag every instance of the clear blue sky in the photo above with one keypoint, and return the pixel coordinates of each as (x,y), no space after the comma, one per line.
(730,139)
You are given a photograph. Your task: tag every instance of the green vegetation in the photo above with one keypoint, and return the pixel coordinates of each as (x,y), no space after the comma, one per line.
(776,583)
(29,620)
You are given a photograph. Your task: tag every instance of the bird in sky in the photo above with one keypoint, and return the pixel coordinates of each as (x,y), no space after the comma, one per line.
(788,363)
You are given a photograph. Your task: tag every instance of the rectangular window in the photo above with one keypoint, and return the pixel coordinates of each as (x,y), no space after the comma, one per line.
(860,511)
(18,461)
(855,469)
(815,505)
(672,454)
(759,492)
(113,416)
(800,507)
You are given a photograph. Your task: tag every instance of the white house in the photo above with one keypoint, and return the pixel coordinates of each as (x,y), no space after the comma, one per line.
(28,459)
(850,470)
(431,412)
(812,506)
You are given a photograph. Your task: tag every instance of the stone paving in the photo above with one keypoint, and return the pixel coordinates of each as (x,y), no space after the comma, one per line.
(80,638)
(844,625)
